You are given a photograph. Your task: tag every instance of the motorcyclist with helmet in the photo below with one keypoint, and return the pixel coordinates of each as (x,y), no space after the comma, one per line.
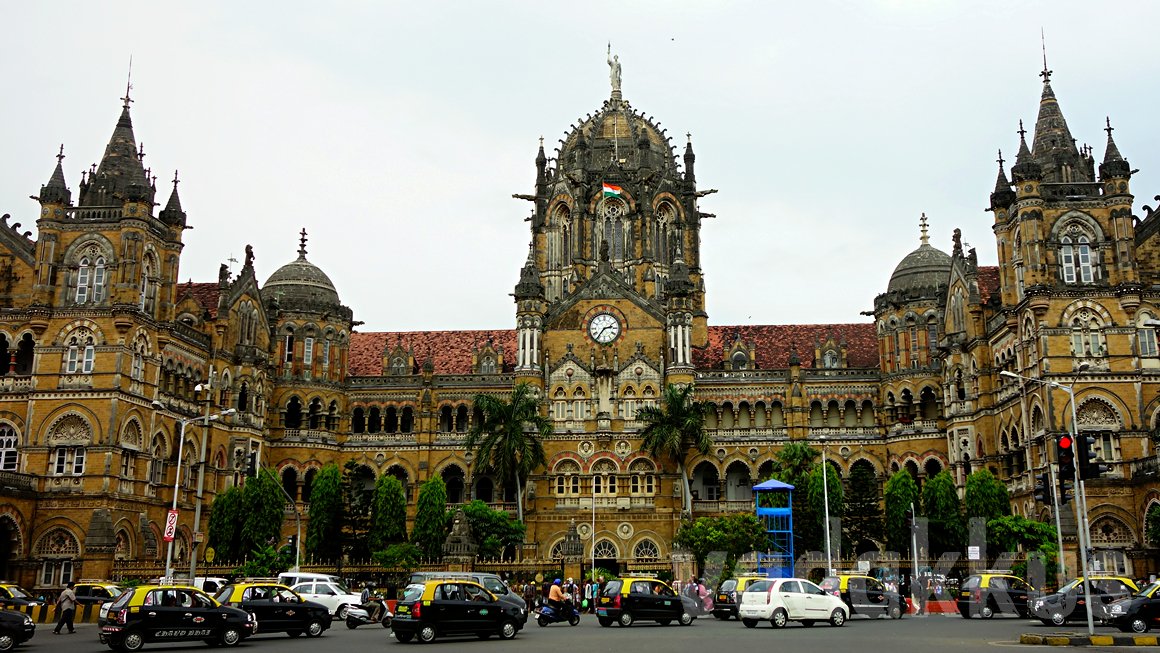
(556,597)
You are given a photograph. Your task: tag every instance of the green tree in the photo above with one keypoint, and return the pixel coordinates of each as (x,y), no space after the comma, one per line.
(792,464)
(509,440)
(1015,533)
(986,496)
(900,493)
(940,505)
(225,524)
(432,521)
(266,562)
(264,508)
(734,534)
(817,489)
(863,519)
(388,514)
(358,494)
(1152,524)
(674,427)
(400,555)
(324,531)
(494,530)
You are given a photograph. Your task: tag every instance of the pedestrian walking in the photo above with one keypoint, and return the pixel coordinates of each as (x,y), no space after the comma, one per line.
(66,607)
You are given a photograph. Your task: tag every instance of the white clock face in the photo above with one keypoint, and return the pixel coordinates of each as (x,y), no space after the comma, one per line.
(604,328)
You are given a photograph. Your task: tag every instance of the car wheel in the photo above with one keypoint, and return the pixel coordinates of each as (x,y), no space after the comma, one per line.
(340,612)
(685,619)
(314,628)
(133,641)
(749,623)
(837,617)
(604,621)
(7,642)
(231,636)
(807,623)
(1057,619)
(625,619)
(895,612)
(780,618)
(508,629)
(1138,625)
(986,611)
(426,634)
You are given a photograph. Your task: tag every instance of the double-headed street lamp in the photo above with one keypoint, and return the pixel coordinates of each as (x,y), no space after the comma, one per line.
(826,503)
(171,518)
(1082,533)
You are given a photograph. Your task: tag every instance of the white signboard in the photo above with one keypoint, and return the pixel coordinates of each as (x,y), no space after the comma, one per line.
(170,525)
(972,553)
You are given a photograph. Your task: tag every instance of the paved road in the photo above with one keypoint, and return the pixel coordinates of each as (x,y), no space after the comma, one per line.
(944,634)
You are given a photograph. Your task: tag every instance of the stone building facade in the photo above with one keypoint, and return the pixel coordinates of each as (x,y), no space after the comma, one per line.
(107,360)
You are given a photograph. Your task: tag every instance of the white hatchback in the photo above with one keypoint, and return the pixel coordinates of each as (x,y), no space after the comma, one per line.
(782,600)
(331,593)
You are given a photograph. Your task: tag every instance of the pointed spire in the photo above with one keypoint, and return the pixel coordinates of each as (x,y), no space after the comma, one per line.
(302,244)
(56,190)
(1001,182)
(1114,165)
(529,285)
(1025,166)
(690,159)
(172,213)
(1002,196)
(1053,147)
(922,228)
(120,177)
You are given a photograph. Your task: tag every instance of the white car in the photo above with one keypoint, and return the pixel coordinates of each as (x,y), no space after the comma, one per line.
(331,593)
(782,600)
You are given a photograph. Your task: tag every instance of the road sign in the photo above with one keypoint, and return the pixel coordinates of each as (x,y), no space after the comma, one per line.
(209,554)
(199,537)
(170,525)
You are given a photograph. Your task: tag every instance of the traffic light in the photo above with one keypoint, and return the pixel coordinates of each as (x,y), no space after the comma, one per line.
(1086,458)
(1064,492)
(1043,488)
(252,464)
(1065,456)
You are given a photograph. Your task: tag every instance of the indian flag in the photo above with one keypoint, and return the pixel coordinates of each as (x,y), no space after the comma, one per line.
(612,191)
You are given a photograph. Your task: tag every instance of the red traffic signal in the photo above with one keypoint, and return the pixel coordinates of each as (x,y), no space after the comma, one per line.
(1065,442)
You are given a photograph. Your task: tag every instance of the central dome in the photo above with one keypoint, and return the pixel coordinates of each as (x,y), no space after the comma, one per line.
(620,134)
(925,267)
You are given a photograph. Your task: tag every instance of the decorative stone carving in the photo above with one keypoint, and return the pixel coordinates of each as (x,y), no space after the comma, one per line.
(460,542)
(625,530)
(71,429)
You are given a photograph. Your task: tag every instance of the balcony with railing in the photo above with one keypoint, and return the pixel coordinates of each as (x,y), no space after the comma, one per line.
(721,506)
(13,383)
(10,481)
(605,502)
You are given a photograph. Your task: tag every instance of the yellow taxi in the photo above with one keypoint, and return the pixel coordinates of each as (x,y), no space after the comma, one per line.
(1070,602)
(95,592)
(865,595)
(989,593)
(452,606)
(171,613)
(15,596)
(726,599)
(626,600)
(277,608)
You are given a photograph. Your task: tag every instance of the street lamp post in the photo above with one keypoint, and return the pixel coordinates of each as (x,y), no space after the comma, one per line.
(177,473)
(826,503)
(1082,533)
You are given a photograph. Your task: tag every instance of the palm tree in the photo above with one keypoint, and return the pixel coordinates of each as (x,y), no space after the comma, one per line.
(674,427)
(794,462)
(509,440)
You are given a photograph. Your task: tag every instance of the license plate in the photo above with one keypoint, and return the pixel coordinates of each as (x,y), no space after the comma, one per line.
(722,597)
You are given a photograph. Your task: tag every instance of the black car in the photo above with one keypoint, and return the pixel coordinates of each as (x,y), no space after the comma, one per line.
(1069,603)
(440,608)
(277,608)
(14,596)
(728,594)
(1137,614)
(15,628)
(490,582)
(865,595)
(624,601)
(171,613)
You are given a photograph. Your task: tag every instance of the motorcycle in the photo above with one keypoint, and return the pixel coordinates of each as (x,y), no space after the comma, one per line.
(360,615)
(546,614)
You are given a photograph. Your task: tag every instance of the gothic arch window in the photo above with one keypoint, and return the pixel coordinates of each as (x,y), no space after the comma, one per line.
(375,420)
(643,477)
(399,366)
(646,551)
(605,550)
(1087,335)
(390,420)
(610,228)
(148,285)
(407,420)
(557,552)
(290,482)
(24,354)
(91,276)
(666,218)
(830,359)
(81,352)
(604,477)
(739,361)
(567,475)
(487,365)
(1146,335)
(56,550)
(294,413)
(332,415)
(1075,258)
(9,452)
(244,398)
(461,419)
(315,413)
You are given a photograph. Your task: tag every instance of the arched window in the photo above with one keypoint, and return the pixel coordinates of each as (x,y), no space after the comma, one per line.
(8,450)
(407,420)
(1146,335)
(315,414)
(81,353)
(1086,337)
(487,366)
(1084,260)
(294,413)
(68,461)
(739,361)
(646,551)
(244,398)
(375,420)
(83,281)
(398,366)
(461,419)
(830,359)
(290,483)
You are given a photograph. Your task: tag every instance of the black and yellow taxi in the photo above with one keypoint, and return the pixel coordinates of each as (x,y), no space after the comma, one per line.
(15,628)
(171,613)
(728,592)
(865,595)
(991,593)
(452,606)
(1138,613)
(15,596)
(1070,602)
(636,598)
(277,608)
(95,592)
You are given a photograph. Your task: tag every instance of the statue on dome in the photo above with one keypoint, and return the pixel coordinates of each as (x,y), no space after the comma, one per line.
(614,69)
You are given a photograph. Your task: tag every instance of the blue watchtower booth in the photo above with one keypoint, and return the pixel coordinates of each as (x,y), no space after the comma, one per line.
(774,501)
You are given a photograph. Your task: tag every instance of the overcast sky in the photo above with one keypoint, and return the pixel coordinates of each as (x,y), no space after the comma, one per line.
(396,132)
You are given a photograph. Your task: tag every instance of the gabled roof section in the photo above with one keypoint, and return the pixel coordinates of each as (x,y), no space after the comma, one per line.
(205,294)
(604,285)
(988,276)
(774,344)
(449,351)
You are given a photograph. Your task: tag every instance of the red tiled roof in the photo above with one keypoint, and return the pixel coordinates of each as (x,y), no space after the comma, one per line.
(773,343)
(988,281)
(450,351)
(205,294)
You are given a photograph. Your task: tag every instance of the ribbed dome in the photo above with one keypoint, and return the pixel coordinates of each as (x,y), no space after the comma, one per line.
(925,267)
(301,285)
(617,131)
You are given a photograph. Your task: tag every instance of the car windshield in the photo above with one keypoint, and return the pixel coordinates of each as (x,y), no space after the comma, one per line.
(1070,586)
(831,583)
(122,600)
(759,586)
(413,592)
(19,592)
(1149,589)
(224,593)
(338,583)
(115,591)
(728,585)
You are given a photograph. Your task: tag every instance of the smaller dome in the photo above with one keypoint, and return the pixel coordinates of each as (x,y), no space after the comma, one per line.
(301,285)
(925,267)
